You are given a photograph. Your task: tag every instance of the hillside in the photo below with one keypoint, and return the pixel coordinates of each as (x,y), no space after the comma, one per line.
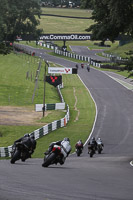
(121,50)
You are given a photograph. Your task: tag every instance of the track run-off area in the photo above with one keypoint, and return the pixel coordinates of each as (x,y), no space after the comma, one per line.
(108,176)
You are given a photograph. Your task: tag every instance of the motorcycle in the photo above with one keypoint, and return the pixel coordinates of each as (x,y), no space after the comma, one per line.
(19,151)
(55,156)
(91,150)
(88,68)
(78,150)
(99,148)
(82,66)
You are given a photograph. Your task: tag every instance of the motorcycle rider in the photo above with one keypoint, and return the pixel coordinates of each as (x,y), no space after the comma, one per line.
(79,145)
(99,141)
(32,138)
(88,67)
(77,66)
(23,139)
(29,143)
(92,143)
(65,144)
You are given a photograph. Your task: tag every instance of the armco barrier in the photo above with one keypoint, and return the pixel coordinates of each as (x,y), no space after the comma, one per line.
(72,55)
(5,151)
(114,56)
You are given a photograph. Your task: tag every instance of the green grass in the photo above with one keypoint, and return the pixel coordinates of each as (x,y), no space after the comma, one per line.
(88,43)
(114,49)
(51,24)
(75,130)
(121,50)
(67,12)
(15,88)
(91,45)
(124,73)
(12,133)
(15,66)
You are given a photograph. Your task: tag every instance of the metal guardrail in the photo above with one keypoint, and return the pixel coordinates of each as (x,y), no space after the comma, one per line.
(5,151)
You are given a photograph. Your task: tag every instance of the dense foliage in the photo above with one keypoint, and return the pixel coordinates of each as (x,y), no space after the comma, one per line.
(112,18)
(18,17)
(60,3)
(86,4)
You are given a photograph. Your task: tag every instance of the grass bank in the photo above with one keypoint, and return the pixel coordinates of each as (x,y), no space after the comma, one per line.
(67,12)
(83,111)
(13,81)
(121,50)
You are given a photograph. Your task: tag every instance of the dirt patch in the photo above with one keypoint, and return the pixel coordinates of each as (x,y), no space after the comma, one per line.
(19,116)
(75,106)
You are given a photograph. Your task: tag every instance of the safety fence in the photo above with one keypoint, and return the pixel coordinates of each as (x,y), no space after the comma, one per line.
(111,56)
(58,51)
(95,63)
(79,57)
(5,151)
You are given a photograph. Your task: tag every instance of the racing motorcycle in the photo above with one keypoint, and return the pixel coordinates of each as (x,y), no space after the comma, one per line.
(78,150)
(19,151)
(55,156)
(99,147)
(91,150)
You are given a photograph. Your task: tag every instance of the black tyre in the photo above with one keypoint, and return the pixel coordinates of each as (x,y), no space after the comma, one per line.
(91,154)
(15,157)
(78,152)
(99,151)
(48,160)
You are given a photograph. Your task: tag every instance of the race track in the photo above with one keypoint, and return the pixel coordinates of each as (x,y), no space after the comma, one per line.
(104,177)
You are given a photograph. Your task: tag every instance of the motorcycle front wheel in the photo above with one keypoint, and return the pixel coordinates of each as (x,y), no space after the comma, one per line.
(15,157)
(48,160)
(78,152)
(99,151)
(91,154)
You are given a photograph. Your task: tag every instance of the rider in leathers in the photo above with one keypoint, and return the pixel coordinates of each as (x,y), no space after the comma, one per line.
(32,138)
(79,144)
(92,143)
(29,143)
(99,141)
(65,144)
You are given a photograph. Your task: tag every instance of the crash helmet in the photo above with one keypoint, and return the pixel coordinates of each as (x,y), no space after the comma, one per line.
(99,139)
(66,139)
(32,136)
(93,138)
(80,142)
(26,135)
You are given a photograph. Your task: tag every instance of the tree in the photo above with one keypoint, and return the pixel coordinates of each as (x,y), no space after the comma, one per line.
(86,4)
(18,17)
(111,18)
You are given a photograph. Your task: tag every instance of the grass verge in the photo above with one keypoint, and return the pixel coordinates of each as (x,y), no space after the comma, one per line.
(82,108)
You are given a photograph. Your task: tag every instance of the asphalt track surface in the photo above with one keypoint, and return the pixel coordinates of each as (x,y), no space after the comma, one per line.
(108,176)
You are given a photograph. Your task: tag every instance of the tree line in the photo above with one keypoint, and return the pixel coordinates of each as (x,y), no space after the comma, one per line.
(111,17)
(61,3)
(16,18)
